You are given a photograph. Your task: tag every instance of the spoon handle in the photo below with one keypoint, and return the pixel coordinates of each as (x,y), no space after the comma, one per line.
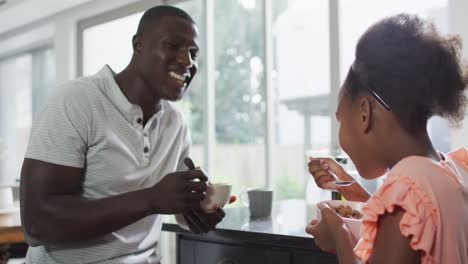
(344,183)
(340,182)
(189,163)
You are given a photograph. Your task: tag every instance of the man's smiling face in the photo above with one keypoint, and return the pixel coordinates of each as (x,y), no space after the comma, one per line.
(167,56)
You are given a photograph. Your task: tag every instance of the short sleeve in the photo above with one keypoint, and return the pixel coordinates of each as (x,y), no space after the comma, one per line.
(419,220)
(461,155)
(59,134)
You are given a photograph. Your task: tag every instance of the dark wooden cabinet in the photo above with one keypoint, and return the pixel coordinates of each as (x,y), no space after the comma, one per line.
(239,239)
(223,248)
(198,252)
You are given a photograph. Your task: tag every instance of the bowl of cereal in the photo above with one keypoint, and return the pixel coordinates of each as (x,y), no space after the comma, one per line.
(349,211)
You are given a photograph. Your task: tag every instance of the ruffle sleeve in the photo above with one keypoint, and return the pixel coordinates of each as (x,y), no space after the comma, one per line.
(461,155)
(419,219)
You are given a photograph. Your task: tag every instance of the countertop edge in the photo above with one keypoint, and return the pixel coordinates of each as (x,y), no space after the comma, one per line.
(221,235)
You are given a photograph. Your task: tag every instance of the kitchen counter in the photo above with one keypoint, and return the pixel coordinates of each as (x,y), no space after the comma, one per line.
(11,234)
(10,227)
(239,239)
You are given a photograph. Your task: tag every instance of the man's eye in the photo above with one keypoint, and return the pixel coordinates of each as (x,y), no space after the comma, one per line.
(172,45)
(194,55)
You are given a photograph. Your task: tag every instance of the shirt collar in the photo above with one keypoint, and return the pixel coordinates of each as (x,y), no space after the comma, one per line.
(111,89)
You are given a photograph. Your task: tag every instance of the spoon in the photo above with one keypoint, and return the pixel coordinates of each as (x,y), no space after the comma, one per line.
(340,182)
(189,163)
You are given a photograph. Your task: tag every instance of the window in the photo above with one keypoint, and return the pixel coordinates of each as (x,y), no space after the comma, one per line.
(305,67)
(301,86)
(25,81)
(239,93)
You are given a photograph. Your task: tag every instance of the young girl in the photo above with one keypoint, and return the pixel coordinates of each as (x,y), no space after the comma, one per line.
(403,74)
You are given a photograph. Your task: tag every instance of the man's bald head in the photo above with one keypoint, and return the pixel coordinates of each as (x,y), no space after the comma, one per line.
(155,13)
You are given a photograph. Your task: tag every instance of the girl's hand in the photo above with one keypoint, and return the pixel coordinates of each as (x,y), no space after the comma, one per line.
(330,228)
(320,169)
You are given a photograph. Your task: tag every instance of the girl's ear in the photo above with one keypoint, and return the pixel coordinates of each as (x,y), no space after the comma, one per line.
(365,111)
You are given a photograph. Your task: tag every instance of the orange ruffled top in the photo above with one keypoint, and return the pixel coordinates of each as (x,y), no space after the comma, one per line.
(434,197)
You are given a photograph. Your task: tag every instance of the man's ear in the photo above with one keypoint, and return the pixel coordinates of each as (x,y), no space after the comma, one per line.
(365,111)
(136,43)
(193,71)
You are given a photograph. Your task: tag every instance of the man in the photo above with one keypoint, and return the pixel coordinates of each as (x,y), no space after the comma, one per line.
(105,156)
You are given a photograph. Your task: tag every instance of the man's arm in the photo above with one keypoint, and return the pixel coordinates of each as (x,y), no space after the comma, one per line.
(53,209)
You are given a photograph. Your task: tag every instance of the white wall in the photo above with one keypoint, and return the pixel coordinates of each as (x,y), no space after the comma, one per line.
(60,30)
(17,13)
(458,24)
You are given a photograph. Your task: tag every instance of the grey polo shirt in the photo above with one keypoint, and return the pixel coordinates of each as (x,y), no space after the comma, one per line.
(90,124)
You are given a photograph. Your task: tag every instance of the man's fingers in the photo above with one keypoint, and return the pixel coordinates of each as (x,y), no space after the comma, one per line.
(196,186)
(205,222)
(195,174)
(197,220)
(190,222)
(212,219)
(221,214)
(194,197)
(208,220)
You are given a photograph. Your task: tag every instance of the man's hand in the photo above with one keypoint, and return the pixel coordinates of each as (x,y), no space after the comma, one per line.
(201,222)
(178,192)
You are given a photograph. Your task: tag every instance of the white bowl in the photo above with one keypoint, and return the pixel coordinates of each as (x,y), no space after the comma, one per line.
(217,195)
(354,225)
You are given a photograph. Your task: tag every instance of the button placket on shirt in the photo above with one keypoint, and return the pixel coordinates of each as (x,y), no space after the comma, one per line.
(146,141)
(150,128)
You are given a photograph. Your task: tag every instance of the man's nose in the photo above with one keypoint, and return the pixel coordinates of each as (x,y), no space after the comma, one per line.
(185,58)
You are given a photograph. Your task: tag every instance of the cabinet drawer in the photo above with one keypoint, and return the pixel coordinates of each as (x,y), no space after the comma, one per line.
(197,252)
